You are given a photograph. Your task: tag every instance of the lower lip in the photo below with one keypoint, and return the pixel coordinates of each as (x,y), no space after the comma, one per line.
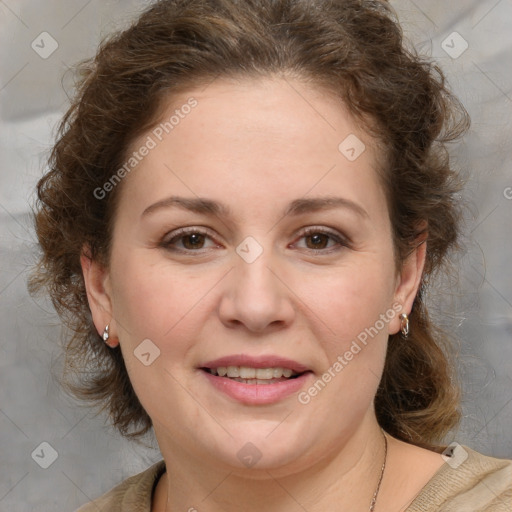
(257,394)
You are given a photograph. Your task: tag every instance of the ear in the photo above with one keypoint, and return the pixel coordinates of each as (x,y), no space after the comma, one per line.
(97,285)
(408,282)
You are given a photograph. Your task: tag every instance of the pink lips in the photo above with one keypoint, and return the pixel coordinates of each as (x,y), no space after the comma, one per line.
(257,394)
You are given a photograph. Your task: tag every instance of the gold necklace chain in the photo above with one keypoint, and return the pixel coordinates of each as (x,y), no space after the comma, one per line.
(375,494)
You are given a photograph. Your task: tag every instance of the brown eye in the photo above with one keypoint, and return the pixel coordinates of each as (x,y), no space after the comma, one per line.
(193,241)
(317,241)
(187,240)
(321,240)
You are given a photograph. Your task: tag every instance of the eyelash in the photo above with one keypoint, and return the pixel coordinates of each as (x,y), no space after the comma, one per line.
(341,241)
(182,233)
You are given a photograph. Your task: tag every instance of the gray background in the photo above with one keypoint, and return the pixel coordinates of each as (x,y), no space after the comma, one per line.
(91,458)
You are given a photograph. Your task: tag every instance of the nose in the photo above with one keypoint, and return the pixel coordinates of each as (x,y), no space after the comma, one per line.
(256,297)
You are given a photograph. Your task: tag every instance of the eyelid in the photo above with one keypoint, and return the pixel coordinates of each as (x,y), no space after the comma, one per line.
(335,234)
(184,231)
(187,230)
(340,239)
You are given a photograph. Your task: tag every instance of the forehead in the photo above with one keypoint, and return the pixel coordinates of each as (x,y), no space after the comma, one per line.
(252,139)
(279,112)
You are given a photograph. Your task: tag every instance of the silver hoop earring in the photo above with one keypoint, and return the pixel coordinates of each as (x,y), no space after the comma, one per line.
(106,335)
(404,325)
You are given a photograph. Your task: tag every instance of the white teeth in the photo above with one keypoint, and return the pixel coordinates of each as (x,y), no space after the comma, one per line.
(246,373)
(277,372)
(233,371)
(257,374)
(265,373)
(254,381)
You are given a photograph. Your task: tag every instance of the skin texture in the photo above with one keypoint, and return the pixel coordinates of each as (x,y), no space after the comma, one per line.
(256,146)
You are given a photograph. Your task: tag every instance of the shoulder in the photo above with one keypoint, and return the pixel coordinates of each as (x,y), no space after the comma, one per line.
(470,481)
(132,495)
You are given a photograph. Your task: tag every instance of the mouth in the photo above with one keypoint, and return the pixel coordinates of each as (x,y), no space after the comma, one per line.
(251,375)
(256,380)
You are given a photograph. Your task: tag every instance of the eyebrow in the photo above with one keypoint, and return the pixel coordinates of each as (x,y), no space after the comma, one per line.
(196,205)
(296,207)
(307,205)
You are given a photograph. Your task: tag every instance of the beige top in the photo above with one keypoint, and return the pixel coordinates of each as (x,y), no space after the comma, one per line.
(468,482)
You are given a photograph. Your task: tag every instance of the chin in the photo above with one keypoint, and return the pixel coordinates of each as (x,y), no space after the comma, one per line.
(253,451)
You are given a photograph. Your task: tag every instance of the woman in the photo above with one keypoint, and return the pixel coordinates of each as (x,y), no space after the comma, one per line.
(245,204)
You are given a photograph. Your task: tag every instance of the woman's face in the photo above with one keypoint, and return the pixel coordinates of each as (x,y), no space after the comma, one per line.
(254,232)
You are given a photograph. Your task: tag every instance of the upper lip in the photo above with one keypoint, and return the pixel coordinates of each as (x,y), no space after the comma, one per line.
(268,361)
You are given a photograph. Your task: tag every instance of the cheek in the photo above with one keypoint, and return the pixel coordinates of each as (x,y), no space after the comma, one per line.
(347,307)
(350,299)
(151,300)
(155,302)
(351,334)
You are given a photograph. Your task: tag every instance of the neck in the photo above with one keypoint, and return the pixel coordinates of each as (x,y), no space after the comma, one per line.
(345,479)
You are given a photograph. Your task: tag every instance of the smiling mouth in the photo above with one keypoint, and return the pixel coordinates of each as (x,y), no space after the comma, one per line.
(248,375)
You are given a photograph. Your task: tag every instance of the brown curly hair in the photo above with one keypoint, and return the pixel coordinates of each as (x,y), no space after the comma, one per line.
(353,48)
